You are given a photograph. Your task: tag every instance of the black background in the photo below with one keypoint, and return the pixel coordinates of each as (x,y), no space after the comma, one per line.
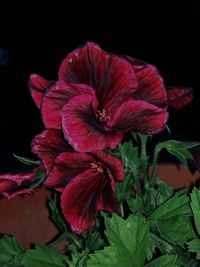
(36,38)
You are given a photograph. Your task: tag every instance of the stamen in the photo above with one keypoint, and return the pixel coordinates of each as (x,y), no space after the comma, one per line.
(103,115)
(97,166)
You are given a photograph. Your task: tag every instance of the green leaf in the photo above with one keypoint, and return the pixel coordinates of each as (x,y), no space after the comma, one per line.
(194,246)
(39,179)
(27,161)
(103,258)
(158,243)
(130,238)
(124,190)
(173,219)
(9,248)
(195,205)
(94,240)
(136,205)
(55,214)
(130,158)
(78,259)
(43,256)
(178,149)
(184,258)
(163,261)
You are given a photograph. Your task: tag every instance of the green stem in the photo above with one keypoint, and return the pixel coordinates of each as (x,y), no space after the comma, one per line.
(137,182)
(144,157)
(155,159)
(121,209)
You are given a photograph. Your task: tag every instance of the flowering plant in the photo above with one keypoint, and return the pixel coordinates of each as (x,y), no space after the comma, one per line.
(108,203)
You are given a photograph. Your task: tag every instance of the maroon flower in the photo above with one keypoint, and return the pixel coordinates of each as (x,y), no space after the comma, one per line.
(96,100)
(16,183)
(152,88)
(87,181)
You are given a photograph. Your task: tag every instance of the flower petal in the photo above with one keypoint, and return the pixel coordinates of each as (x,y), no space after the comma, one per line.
(47,145)
(108,74)
(13,184)
(85,194)
(113,164)
(54,99)
(150,83)
(81,128)
(37,85)
(139,116)
(66,166)
(178,97)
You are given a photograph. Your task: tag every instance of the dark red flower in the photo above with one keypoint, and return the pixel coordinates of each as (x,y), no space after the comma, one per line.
(151,87)
(97,100)
(87,181)
(47,145)
(16,183)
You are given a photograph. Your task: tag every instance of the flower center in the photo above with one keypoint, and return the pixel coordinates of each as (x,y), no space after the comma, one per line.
(103,115)
(96,166)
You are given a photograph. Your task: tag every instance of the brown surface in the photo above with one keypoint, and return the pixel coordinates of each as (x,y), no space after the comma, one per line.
(27,217)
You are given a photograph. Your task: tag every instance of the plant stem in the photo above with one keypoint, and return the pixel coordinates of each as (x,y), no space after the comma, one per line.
(137,182)
(121,209)
(144,157)
(155,159)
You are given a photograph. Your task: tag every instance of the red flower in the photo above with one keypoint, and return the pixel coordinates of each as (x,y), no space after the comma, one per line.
(152,88)
(87,181)
(17,183)
(97,100)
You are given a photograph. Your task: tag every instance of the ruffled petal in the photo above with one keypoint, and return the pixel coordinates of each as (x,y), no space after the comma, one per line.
(139,116)
(150,83)
(178,97)
(13,184)
(113,164)
(85,194)
(67,166)
(37,86)
(108,74)
(54,99)
(82,129)
(47,145)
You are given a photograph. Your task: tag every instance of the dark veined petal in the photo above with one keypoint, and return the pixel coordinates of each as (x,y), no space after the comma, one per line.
(87,193)
(54,99)
(150,83)
(113,164)
(111,76)
(13,184)
(178,97)
(37,86)
(81,127)
(47,145)
(67,166)
(139,116)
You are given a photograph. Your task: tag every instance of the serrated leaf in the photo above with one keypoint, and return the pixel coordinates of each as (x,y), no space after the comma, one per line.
(163,261)
(9,248)
(124,189)
(27,161)
(78,259)
(136,205)
(175,206)
(195,205)
(173,219)
(194,246)
(184,258)
(178,149)
(94,241)
(103,258)
(130,238)
(43,256)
